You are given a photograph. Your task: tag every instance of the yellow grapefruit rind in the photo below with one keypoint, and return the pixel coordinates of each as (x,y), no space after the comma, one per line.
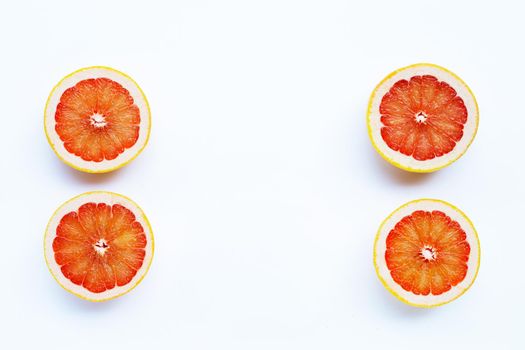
(392,161)
(97,171)
(150,238)
(390,289)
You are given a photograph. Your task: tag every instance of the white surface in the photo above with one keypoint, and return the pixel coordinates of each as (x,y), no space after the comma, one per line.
(261,185)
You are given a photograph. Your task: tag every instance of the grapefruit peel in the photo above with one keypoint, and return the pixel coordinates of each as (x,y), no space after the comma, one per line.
(72,205)
(54,139)
(408,163)
(383,273)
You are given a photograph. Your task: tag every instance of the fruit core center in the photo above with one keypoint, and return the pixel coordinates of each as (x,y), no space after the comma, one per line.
(421,117)
(101,246)
(98,120)
(428,253)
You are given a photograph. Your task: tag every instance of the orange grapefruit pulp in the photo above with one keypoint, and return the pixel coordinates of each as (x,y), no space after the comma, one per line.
(422,117)
(427,252)
(97,119)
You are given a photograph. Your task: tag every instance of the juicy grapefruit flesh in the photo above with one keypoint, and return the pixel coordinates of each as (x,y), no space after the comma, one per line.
(97,119)
(99,246)
(427,253)
(422,117)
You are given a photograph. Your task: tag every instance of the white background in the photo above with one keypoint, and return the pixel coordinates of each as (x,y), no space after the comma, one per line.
(262,187)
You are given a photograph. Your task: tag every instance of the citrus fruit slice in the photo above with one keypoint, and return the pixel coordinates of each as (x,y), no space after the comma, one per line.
(98,245)
(426,253)
(422,118)
(97,119)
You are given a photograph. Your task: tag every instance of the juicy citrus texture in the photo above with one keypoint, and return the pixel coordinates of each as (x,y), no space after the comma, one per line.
(427,252)
(99,246)
(97,119)
(422,117)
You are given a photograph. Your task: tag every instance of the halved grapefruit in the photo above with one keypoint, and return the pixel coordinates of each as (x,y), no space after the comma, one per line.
(427,253)
(422,118)
(97,119)
(98,245)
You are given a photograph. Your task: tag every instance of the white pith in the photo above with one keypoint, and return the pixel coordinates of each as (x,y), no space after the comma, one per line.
(428,253)
(408,162)
(101,246)
(421,117)
(98,120)
(73,205)
(380,248)
(72,80)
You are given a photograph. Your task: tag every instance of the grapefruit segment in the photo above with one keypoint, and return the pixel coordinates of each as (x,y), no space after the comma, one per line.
(422,117)
(98,245)
(427,253)
(97,119)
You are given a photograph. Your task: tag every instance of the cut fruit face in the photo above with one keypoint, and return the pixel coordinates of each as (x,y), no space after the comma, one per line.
(97,119)
(98,245)
(422,118)
(426,253)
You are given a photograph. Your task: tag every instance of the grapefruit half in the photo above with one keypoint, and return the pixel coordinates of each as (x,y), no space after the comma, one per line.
(422,118)
(97,119)
(98,245)
(427,253)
